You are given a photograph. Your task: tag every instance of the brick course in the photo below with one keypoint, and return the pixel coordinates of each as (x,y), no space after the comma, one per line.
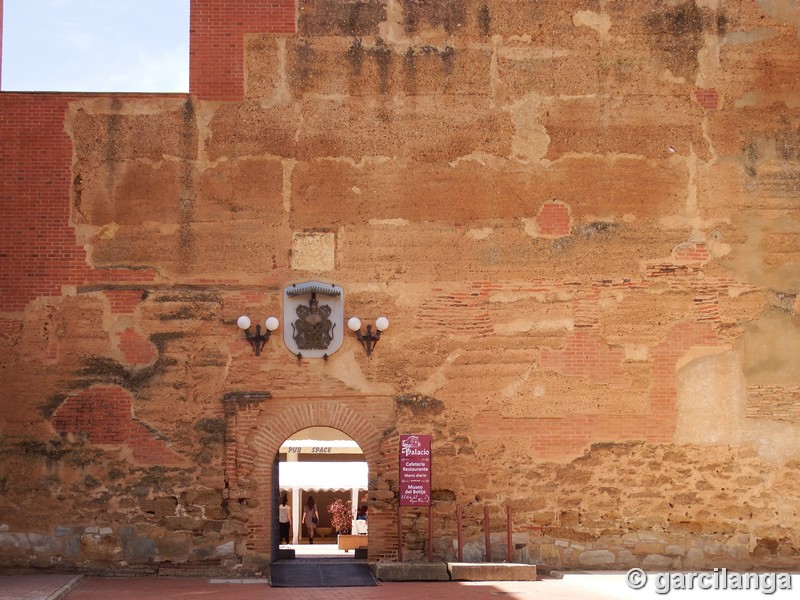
(218,29)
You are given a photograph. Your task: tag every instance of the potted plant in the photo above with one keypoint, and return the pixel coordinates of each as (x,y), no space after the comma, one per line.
(341,516)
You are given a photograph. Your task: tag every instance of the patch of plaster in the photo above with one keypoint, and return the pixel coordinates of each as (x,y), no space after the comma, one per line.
(637,352)
(109,231)
(599,22)
(313,251)
(711,397)
(344,367)
(282,94)
(548,297)
(750,99)
(708,61)
(667,76)
(391,30)
(288,167)
(530,137)
(769,348)
(531,227)
(711,402)
(787,11)
(514,388)
(737,38)
(775,442)
(482,158)
(479,234)
(522,325)
(390,222)
(438,379)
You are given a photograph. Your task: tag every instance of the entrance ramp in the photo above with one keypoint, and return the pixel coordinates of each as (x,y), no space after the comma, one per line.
(328,572)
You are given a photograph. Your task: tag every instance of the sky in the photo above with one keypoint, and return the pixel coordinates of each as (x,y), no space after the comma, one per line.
(96,45)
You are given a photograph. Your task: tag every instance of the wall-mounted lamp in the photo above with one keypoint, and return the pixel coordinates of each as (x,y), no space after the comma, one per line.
(258,339)
(369,339)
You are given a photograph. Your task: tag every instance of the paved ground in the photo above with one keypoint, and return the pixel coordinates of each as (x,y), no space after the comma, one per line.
(571,587)
(36,587)
(587,586)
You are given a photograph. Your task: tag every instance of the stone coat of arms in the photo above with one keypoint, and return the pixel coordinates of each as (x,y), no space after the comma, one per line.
(313,316)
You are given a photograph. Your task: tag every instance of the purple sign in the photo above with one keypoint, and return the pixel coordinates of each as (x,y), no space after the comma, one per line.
(415,470)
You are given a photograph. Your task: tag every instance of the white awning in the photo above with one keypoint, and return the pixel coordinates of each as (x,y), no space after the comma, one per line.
(323,476)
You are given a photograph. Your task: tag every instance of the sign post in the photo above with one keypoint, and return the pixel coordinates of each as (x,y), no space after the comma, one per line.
(415,470)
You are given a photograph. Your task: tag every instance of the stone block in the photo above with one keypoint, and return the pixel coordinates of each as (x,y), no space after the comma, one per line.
(138,549)
(100,547)
(649,548)
(491,572)
(675,550)
(389,571)
(173,546)
(13,542)
(227,549)
(656,561)
(596,558)
(73,545)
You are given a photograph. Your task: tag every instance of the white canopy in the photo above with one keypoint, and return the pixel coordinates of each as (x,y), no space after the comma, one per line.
(322,476)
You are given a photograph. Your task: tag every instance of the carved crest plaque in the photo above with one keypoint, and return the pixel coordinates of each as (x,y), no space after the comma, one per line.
(313,317)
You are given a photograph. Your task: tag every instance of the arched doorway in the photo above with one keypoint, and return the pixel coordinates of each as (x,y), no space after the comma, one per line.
(328,467)
(259,423)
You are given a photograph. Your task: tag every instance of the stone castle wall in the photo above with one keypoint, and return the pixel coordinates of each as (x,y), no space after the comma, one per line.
(581,219)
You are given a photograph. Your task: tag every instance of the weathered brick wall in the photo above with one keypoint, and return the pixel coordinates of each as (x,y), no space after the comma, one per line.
(581,222)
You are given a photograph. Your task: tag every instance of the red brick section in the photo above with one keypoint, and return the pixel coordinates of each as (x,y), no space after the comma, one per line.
(554,220)
(136,349)
(216,41)
(560,438)
(38,247)
(707,98)
(587,355)
(691,252)
(104,416)
(123,302)
(456,311)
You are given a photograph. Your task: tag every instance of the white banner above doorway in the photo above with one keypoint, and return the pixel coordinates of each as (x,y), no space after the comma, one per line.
(323,476)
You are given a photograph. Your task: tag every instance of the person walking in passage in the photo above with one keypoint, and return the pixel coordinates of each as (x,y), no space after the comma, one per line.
(285,519)
(311,518)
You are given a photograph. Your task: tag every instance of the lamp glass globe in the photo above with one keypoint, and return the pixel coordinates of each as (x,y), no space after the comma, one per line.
(381,323)
(272,324)
(354,323)
(243,322)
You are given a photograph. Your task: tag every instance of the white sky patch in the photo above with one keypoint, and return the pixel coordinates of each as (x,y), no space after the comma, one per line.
(96,45)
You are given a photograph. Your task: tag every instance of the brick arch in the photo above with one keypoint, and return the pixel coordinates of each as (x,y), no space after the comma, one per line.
(274,427)
(268,438)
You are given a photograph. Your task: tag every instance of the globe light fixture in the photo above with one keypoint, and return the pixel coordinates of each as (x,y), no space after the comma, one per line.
(257,339)
(368,339)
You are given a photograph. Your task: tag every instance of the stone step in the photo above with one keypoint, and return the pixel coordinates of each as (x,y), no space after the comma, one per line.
(440,571)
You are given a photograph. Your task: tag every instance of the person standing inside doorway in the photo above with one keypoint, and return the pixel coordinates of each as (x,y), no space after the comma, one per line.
(311,518)
(285,519)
